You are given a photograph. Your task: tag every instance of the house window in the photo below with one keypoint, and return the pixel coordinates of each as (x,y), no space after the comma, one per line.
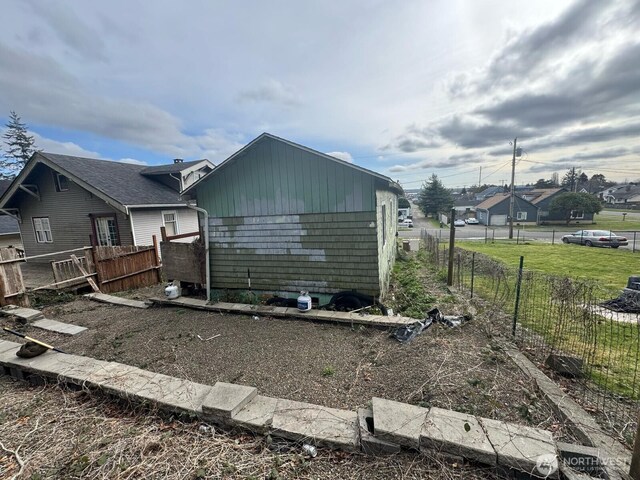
(170,222)
(106,228)
(384,224)
(578,215)
(521,216)
(62,182)
(42,227)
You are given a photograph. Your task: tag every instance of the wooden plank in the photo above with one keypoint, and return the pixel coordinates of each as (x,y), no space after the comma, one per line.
(85,274)
(128,275)
(182,235)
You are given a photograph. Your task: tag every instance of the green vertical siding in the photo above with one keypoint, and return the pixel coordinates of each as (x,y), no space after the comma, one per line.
(274,178)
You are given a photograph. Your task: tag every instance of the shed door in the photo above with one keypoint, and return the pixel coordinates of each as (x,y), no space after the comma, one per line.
(498,219)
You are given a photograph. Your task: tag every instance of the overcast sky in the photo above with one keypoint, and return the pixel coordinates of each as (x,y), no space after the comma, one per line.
(405,88)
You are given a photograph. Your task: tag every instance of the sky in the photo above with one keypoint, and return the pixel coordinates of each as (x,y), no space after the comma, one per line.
(407,89)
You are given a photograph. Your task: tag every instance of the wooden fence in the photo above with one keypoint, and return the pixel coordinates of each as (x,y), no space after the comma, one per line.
(11,283)
(125,268)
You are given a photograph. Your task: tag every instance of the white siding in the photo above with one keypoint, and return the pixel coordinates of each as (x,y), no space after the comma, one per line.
(147,222)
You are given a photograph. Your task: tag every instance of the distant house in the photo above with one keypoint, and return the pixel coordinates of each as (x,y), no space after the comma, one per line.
(296,219)
(622,195)
(465,205)
(64,202)
(492,191)
(494,211)
(9,228)
(543,197)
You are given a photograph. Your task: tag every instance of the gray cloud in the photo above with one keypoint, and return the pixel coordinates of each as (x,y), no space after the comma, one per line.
(272,91)
(413,139)
(585,159)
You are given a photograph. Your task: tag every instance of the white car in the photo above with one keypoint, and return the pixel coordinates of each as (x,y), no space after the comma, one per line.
(472,221)
(459,223)
(406,223)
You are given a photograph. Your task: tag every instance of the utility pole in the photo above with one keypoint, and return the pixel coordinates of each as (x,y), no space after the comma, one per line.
(480,178)
(513,189)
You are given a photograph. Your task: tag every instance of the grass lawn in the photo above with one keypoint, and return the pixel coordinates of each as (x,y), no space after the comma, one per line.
(610,267)
(616,224)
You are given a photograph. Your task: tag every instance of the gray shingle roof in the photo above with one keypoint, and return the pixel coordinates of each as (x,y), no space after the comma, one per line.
(170,168)
(122,182)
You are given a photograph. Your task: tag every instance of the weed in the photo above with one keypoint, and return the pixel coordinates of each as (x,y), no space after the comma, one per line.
(328,371)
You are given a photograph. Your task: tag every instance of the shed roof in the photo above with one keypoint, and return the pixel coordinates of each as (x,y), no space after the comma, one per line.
(392,185)
(492,201)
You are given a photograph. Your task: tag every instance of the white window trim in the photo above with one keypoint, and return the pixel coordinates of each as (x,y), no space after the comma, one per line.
(577,217)
(57,182)
(175,215)
(521,216)
(35,230)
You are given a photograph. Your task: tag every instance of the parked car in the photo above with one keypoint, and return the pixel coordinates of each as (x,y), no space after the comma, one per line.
(472,221)
(406,223)
(459,223)
(595,238)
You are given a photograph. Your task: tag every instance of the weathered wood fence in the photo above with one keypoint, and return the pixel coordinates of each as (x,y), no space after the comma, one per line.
(183,261)
(113,269)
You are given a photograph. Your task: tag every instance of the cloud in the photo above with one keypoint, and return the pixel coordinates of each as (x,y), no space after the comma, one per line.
(271,91)
(399,168)
(63,148)
(48,94)
(132,161)
(415,138)
(346,156)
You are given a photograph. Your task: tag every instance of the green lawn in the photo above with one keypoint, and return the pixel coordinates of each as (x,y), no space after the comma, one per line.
(610,267)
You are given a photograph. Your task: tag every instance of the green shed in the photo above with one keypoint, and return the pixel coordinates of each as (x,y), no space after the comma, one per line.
(297,219)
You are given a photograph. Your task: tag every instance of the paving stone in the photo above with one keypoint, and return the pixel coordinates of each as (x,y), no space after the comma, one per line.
(457,434)
(49,363)
(58,327)
(580,458)
(519,447)
(174,393)
(7,355)
(125,302)
(7,345)
(397,422)
(22,312)
(227,399)
(305,422)
(370,444)
(257,415)
(119,379)
(77,369)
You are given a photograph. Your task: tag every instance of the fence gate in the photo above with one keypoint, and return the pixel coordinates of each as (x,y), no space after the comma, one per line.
(11,283)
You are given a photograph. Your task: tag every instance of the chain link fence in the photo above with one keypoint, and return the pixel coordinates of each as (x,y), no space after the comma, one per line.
(549,314)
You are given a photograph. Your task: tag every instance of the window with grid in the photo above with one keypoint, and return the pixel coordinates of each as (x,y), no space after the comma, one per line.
(521,216)
(170,221)
(42,228)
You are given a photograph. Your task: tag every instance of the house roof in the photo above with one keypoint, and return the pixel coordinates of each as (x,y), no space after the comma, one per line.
(120,184)
(543,194)
(172,167)
(8,225)
(492,202)
(393,185)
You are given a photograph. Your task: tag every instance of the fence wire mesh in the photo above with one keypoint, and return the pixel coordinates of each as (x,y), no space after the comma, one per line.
(561,316)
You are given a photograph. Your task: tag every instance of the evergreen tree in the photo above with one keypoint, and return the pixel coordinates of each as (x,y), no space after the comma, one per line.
(18,147)
(434,198)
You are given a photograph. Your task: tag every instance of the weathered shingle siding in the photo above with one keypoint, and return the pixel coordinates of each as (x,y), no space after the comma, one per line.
(322,253)
(386,238)
(274,178)
(147,222)
(68,214)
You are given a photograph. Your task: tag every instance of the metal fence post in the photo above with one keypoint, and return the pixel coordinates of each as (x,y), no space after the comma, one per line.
(553,236)
(452,241)
(633,249)
(518,237)
(493,238)
(473,270)
(486,234)
(517,306)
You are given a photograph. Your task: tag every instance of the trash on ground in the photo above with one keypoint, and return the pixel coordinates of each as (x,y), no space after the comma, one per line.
(310,450)
(407,333)
(210,338)
(349,301)
(30,350)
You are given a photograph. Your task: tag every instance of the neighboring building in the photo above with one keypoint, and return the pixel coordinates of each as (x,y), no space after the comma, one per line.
(494,211)
(64,202)
(297,219)
(492,191)
(9,228)
(542,198)
(465,206)
(626,196)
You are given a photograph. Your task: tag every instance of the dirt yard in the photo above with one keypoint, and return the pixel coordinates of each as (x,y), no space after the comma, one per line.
(328,364)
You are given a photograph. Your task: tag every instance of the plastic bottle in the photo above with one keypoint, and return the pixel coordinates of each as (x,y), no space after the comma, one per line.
(304,302)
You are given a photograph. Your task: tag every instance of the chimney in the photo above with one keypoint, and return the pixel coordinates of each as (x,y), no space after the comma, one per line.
(178,160)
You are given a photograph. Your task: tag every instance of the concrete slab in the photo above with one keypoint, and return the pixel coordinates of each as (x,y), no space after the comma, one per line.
(119,379)
(371,445)
(7,345)
(174,394)
(581,459)
(47,364)
(397,422)
(520,447)
(58,327)
(22,312)
(77,369)
(8,356)
(226,399)
(125,302)
(305,422)
(257,415)
(457,434)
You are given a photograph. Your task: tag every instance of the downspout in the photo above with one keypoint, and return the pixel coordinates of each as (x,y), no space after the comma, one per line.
(206,247)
